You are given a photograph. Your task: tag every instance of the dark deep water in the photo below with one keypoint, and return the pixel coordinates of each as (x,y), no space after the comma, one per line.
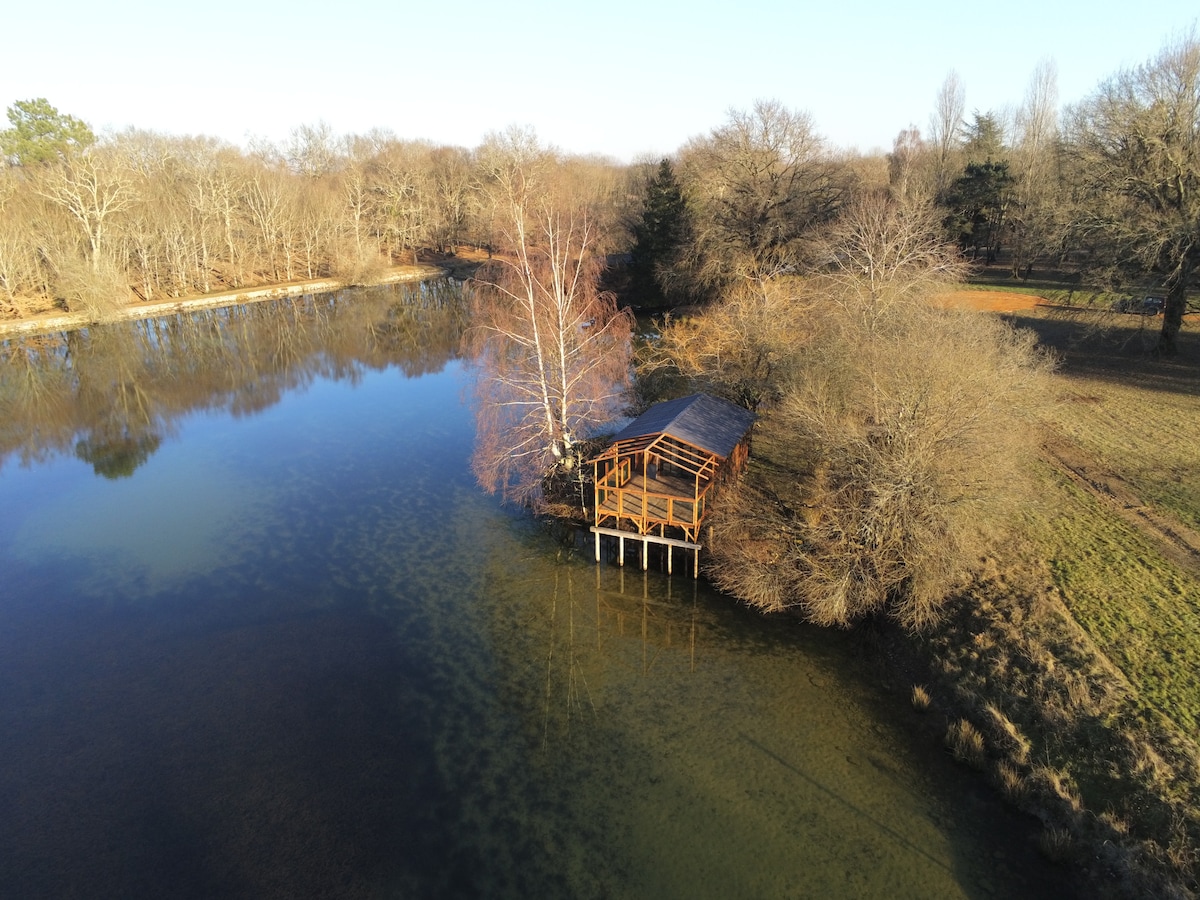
(262,636)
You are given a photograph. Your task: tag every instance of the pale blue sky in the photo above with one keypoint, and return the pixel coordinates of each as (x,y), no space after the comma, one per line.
(626,78)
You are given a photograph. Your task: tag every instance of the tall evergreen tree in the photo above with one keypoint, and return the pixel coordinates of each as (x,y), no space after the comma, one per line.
(40,134)
(977,204)
(658,237)
(984,139)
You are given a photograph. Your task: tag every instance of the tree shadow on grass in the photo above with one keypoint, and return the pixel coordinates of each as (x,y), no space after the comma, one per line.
(1116,347)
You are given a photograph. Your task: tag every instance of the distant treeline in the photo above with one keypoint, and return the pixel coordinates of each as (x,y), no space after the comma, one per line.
(1108,190)
(86,222)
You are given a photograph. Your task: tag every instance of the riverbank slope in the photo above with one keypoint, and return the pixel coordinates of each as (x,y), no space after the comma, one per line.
(58,320)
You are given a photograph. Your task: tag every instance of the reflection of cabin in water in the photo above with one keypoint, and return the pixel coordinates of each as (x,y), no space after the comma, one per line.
(655,481)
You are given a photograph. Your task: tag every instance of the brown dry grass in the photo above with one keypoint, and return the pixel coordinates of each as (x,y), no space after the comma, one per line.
(966,743)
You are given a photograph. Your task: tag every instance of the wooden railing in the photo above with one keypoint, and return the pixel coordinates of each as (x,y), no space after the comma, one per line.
(640,505)
(652,507)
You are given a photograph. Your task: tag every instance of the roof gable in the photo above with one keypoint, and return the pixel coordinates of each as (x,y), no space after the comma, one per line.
(707,422)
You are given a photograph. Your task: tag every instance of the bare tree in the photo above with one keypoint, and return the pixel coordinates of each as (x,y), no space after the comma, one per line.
(881,252)
(741,346)
(910,445)
(1136,145)
(19,269)
(905,164)
(313,151)
(946,127)
(269,204)
(93,187)
(757,185)
(400,180)
(1032,214)
(450,203)
(551,349)
(1037,119)
(903,427)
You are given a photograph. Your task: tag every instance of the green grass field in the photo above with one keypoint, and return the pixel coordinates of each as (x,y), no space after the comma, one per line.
(1141,609)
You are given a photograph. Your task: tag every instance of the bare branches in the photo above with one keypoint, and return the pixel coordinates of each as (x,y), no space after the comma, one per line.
(893,436)
(1137,146)
(946,125)
(92,187)
(741,347)
(759,183)
(880,251)
(552,351)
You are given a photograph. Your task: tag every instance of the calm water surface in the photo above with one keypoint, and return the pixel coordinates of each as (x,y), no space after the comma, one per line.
(262,636)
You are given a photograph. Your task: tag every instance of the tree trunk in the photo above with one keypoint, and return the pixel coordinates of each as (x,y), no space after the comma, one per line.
(1173,315)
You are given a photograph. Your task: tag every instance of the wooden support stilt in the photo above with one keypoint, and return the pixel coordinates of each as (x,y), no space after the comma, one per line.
(647,540)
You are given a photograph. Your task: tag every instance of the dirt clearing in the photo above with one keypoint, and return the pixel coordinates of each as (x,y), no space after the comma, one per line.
(991,301)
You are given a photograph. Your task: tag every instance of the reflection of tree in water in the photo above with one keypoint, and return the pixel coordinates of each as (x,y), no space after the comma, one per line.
(118,457)
(34,396)
(423,334)
(111,393)
(114,400)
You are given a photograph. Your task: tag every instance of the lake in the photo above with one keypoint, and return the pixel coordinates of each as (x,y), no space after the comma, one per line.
(262,636)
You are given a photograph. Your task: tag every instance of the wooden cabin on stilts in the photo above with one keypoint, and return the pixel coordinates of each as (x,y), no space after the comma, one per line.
(655,483)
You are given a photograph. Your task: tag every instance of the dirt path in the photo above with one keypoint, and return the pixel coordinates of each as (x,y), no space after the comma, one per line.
(992,301)
(1176,541)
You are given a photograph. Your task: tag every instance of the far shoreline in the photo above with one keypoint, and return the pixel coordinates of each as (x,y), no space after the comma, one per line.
(49,323)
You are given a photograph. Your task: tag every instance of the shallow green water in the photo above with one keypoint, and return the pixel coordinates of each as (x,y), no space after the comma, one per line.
(294,652)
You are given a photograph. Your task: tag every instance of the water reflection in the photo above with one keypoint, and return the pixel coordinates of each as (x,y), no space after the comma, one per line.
(111,394)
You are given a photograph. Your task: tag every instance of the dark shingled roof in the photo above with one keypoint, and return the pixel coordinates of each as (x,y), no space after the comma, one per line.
(706,422)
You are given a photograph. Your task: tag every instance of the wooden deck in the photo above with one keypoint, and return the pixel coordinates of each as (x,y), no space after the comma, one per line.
(650,502)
